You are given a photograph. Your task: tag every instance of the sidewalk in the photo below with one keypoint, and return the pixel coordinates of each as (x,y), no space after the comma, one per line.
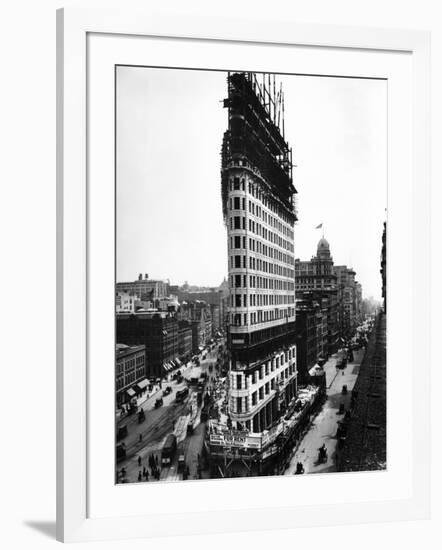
(325,424)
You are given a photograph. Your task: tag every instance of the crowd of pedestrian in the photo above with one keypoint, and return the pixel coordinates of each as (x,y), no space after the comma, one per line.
(154,466)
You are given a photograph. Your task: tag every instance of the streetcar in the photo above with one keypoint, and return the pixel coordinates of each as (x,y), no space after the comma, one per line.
(169,450)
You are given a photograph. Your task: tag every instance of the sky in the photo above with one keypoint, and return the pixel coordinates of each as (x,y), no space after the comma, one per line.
(170,125)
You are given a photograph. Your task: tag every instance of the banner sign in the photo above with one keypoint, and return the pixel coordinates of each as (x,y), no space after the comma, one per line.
(230,439)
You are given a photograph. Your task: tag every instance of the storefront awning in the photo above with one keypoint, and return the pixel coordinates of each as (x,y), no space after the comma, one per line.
(316,371)
(130,392)
(143,384)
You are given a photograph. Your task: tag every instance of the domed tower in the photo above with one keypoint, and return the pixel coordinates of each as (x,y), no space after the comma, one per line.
(323,251)
(323,260)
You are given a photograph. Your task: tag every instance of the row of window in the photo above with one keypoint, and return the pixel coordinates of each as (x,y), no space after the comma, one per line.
(239,222)
(264,370)
(128,378)
(240,300)
(240,242)
(239,203)
(128,364)
(256,281)
(244,404)
(244,319)
(260,265)
(238,184)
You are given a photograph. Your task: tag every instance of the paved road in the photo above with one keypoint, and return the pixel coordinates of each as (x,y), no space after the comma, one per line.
(159,423)
(324,427)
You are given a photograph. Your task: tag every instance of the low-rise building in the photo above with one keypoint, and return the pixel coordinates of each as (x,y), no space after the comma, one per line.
(125,302)
(130,370)
(145,288)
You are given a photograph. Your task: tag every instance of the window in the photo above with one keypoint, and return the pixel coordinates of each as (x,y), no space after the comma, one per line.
(237,241)
(238,382)
(237,281)
(254,398)
(237,222)
(236,203)
(237,261)
(238,404)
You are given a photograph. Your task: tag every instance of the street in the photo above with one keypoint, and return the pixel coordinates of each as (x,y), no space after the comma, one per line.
(324,426)
(171,417)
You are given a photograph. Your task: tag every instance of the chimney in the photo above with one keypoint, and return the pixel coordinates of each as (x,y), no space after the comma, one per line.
(146,276)
(140,276)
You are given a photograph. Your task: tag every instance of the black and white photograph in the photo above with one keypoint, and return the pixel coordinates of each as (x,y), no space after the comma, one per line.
(250,274)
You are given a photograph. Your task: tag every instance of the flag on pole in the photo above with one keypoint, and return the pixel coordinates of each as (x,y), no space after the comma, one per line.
(318,226)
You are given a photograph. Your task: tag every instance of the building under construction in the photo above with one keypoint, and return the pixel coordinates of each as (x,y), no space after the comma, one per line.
(259,209)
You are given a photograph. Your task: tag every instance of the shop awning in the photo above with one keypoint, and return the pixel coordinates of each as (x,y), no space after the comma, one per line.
(316,371)
(130,392)
(143,384)
(178,362)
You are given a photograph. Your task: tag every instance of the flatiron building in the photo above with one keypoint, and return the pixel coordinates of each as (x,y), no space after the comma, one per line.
(259,212)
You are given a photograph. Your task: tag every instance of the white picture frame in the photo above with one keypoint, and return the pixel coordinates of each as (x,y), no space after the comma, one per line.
(75,211)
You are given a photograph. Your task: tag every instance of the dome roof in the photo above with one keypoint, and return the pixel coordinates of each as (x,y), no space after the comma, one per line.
(323,249)
(323,244)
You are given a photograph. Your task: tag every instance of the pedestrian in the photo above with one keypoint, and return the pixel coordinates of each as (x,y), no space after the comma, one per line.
(140,438)
(144,471)
(139,461)
(139,475)
(156,460)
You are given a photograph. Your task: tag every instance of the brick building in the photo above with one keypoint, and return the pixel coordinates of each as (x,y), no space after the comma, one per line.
(130,370)
(158,331)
